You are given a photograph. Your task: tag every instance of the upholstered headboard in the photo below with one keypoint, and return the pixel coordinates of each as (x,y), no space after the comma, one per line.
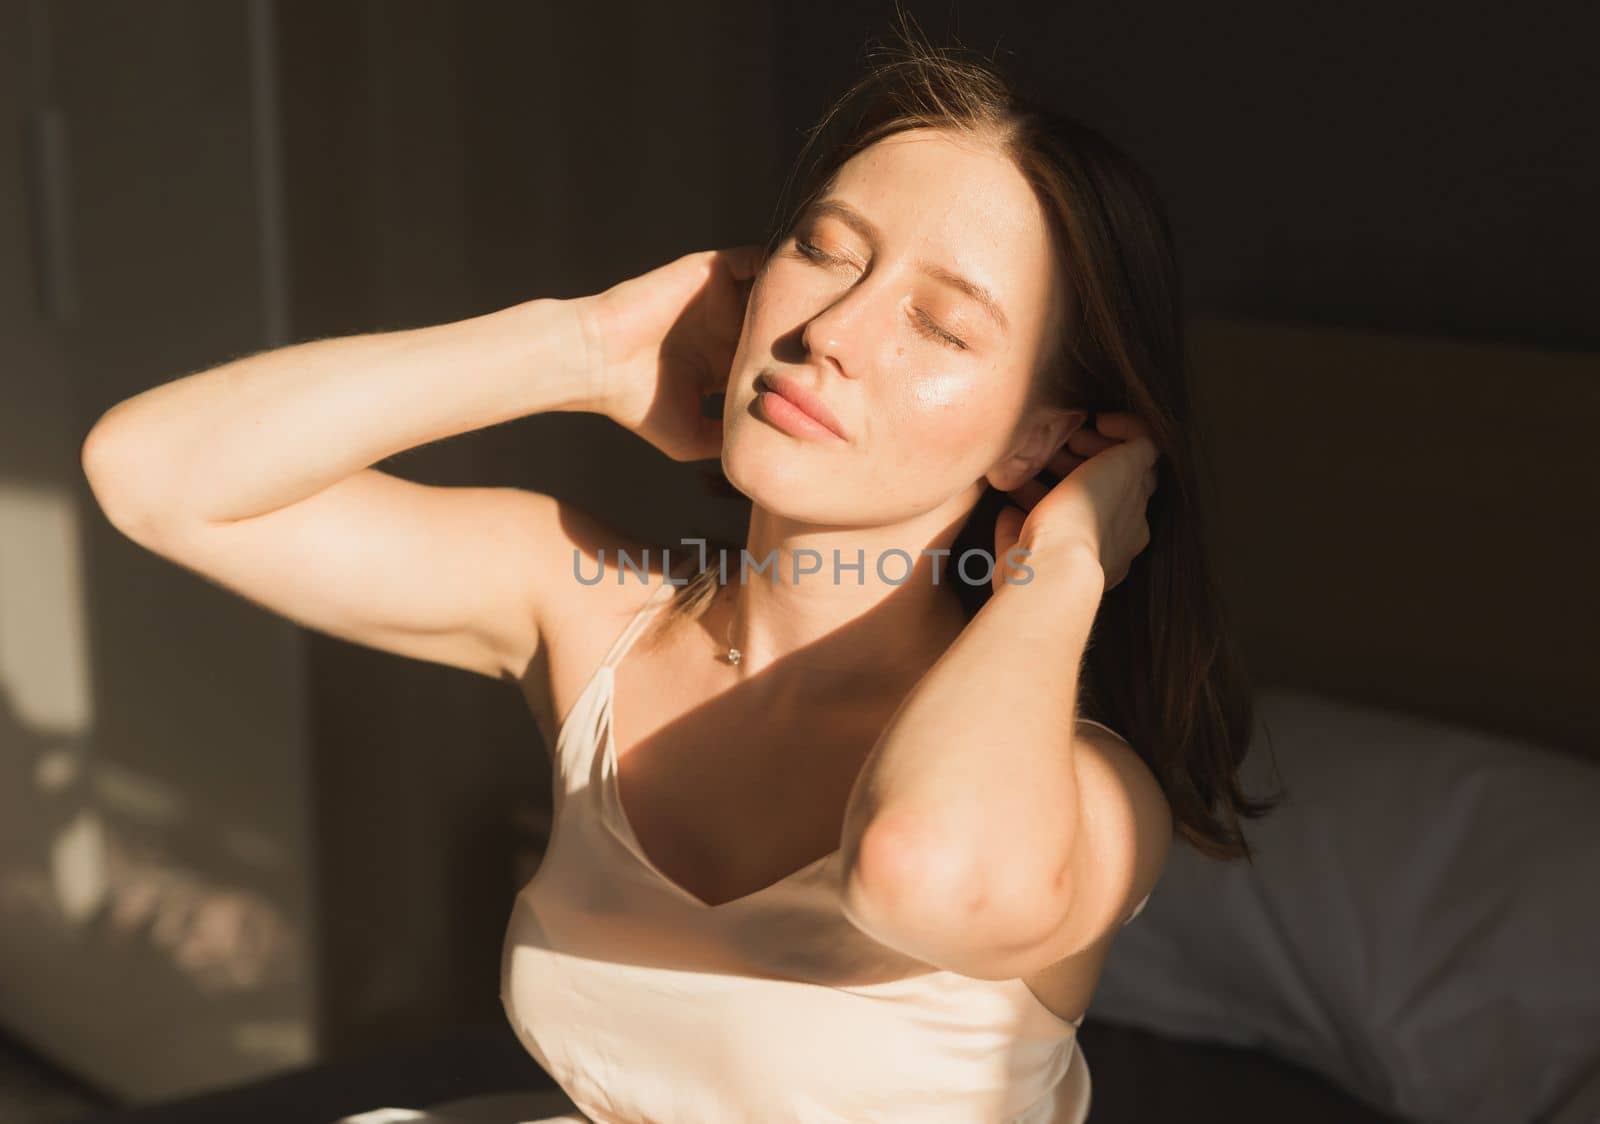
(1410,522)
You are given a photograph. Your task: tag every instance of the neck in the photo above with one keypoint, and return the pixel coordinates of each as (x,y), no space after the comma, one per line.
(833,627)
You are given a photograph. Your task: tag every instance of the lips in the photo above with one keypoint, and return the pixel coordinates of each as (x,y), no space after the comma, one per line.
(806,401)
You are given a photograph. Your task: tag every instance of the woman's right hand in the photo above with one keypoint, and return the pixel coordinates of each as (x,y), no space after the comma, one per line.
(659,343)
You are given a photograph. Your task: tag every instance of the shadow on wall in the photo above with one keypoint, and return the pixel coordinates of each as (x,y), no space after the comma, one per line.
(117,894)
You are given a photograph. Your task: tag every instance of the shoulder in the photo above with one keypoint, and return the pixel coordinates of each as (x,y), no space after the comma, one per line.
(590,570)
(579,593)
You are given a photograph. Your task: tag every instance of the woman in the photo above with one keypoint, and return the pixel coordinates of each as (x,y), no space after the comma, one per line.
(837,843)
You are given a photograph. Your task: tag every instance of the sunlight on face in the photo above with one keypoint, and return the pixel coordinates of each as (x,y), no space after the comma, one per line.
(916,300)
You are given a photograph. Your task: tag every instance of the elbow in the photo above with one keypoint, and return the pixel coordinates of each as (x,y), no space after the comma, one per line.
(879,889)
(112,481)
(929,902)
(905,891)
(92,458)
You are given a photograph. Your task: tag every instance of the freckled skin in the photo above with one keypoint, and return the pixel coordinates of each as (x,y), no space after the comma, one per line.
(927,422)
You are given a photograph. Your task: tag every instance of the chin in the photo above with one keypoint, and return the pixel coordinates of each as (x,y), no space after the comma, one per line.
(777,478)
(761,470)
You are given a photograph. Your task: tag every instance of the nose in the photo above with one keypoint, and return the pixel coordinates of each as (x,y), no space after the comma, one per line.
(840,331)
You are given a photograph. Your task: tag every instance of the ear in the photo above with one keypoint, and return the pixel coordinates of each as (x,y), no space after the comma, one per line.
(1043,430)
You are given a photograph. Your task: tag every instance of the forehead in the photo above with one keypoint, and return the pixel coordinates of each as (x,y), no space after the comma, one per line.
(956,200)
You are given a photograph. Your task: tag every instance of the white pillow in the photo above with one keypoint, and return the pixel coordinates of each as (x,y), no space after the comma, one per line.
(1420,925)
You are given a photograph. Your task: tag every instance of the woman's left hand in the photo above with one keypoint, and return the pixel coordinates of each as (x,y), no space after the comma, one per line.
(1107,477)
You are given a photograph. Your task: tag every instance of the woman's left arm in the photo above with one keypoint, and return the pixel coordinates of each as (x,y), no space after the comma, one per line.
(971,792)
(965,840)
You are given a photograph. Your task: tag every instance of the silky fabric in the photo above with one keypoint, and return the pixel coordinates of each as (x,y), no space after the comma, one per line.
(648,1005)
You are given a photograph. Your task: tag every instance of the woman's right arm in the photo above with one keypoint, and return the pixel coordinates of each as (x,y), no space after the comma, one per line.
(256,475)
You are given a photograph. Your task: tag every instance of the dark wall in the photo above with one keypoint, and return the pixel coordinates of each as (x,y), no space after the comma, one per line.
(1416,168)
(442,161)
(156,928)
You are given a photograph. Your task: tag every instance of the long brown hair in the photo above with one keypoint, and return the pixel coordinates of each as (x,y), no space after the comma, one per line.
(1161,666)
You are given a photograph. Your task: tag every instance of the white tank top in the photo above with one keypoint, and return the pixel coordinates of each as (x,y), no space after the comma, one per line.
(649,1006)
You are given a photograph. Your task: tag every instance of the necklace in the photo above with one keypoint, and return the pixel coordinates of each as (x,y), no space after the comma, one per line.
(733,655)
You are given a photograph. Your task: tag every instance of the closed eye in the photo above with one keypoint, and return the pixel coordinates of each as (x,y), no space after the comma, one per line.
(927,327)
(812,251)
(925,323)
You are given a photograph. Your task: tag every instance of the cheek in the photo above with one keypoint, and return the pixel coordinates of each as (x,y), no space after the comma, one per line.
(952,423)
(759,333)
(939,393)
(957,408)
(780,294)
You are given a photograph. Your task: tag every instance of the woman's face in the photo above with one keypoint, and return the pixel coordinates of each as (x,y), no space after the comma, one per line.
(875,304)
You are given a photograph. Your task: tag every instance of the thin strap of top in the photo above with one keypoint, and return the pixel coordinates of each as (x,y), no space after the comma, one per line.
(624,641)
(1103,726)
(1138,909)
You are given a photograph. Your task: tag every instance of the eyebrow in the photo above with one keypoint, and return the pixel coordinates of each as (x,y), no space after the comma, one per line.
(863,226)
